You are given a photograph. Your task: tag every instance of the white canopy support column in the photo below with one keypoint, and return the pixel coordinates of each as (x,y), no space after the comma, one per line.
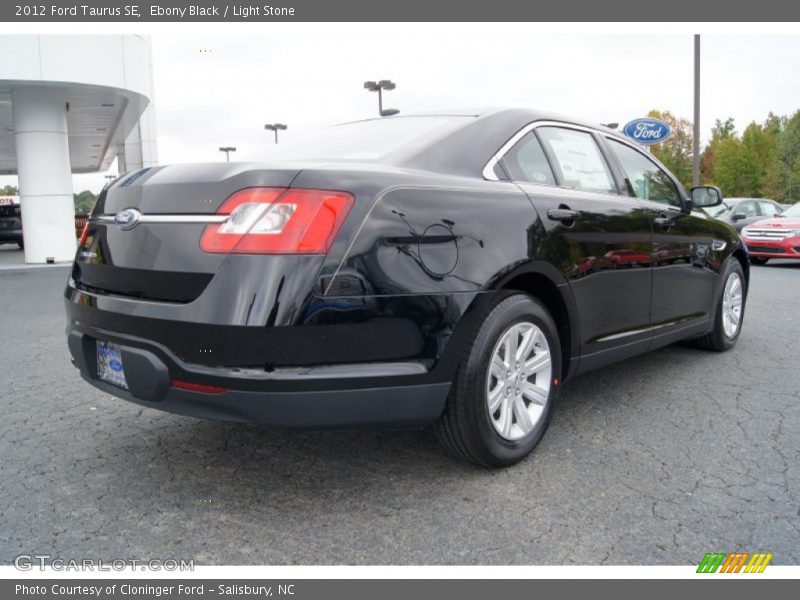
(107,82)
(45,179)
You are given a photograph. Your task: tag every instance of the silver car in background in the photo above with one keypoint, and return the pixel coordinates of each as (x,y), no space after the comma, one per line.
(740,212)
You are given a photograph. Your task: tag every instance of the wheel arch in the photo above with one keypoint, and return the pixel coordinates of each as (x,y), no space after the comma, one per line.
(545,283)
(740,254)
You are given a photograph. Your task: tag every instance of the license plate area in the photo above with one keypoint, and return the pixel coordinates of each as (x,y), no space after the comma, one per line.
(109,364)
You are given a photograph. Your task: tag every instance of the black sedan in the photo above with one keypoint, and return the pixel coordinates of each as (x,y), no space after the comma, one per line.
(10,222)
(741,212)
(452,269)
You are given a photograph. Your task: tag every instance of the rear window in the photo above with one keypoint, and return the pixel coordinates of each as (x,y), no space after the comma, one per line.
(370,140)
(9,211)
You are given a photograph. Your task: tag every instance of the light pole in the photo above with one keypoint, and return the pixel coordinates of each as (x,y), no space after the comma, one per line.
(227,150)
(275,127)
(696,141)
(379,86)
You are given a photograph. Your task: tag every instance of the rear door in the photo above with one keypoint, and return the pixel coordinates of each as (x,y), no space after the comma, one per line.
(601,239)
(682,280)
(767,209)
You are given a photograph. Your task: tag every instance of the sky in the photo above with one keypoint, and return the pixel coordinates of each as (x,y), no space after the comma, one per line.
(313,77)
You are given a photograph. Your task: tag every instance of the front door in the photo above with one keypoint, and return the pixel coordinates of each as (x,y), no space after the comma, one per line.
(683,283)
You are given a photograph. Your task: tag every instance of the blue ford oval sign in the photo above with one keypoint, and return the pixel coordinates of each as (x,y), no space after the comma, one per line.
(647,130)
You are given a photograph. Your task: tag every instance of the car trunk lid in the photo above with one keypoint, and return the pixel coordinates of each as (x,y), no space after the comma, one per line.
(156,255)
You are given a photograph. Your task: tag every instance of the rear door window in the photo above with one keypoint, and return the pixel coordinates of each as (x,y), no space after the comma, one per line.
(577,159)
(768,209)
(748,209)
(526,161)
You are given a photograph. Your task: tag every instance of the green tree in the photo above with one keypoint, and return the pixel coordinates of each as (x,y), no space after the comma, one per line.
(9,190)
(760,160)
(731,172)
(84,202)
(788,150)
(676,151)
(772,185)
(722,130)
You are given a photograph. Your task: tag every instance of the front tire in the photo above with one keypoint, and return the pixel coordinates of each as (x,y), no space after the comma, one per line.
(502,399)
(729,313)
(757,260)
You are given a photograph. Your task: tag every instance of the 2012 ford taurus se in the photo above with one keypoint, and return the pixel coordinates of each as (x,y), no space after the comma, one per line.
(451,269)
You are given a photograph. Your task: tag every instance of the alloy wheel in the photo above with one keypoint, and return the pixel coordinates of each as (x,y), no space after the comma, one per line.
(518,381)
(732,299)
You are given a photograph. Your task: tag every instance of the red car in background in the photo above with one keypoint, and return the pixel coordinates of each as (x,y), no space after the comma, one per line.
(778,237)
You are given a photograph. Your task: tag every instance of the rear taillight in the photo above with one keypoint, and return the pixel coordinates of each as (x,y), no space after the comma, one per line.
(278,221)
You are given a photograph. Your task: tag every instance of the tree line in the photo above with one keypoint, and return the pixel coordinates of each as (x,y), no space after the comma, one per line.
(84,201)
(763,161)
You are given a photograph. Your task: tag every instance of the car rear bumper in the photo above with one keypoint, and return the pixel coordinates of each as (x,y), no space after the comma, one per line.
(10,235)
(309,398)
(788,248)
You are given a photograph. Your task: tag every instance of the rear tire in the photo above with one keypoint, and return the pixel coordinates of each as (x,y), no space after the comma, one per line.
(734,291)
(757,260)
(502,399)
(21,245)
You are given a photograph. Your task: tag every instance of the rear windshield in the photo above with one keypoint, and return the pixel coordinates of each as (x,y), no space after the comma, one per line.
(9,211)
(371,140)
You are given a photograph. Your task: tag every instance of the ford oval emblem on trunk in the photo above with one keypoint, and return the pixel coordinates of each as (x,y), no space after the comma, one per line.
(128,218)
(647,131)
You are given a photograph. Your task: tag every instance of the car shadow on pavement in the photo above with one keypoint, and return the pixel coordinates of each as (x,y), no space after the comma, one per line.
(229,460)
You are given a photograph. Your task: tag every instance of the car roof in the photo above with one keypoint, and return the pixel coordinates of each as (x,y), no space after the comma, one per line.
(463,148)
(491,128)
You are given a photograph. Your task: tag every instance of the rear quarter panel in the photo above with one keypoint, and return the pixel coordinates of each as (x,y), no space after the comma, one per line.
(429,237)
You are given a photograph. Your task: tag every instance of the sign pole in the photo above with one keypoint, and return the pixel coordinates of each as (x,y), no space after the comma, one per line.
(696,140)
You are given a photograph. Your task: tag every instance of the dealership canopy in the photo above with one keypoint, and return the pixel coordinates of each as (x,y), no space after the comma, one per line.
(70,104)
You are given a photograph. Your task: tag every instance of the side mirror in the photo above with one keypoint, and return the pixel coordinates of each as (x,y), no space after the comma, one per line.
(706,196)
(739,216)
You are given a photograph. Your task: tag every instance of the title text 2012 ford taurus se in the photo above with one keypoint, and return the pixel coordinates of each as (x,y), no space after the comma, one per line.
(449,269)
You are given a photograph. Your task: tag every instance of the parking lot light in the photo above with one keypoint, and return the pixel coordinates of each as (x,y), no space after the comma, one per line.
(227,150)
(379,86)
(275,127)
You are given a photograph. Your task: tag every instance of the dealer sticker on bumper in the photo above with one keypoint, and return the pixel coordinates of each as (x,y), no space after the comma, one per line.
(109,364)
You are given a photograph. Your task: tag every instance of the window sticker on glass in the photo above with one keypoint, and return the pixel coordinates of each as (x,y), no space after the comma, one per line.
(579,159)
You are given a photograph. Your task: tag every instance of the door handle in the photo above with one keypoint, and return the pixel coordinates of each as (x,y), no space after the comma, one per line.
(562,214)
(664,221)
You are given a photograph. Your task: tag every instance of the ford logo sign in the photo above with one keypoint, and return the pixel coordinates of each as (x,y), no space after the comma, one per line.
(128,218)
(647,131)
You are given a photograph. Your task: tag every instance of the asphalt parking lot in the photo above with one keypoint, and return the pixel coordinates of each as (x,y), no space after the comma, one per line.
(654,461)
